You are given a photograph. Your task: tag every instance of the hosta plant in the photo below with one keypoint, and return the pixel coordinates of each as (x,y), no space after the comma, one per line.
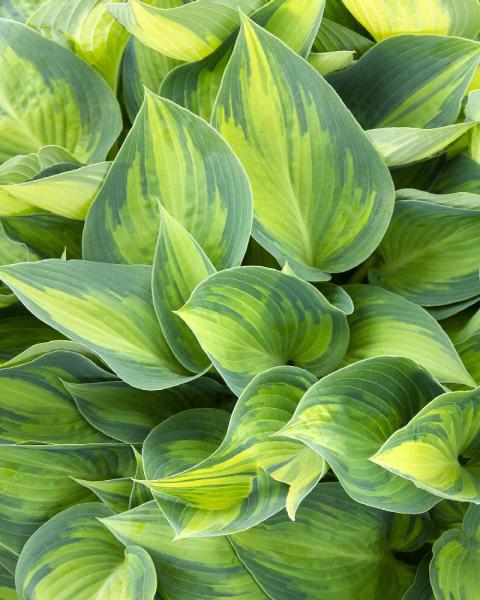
(239,299)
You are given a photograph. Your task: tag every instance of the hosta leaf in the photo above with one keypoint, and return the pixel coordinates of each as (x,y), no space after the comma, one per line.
(37,407)
(173,157)
(448,514)
(25,167)
(348,415)
(249,319)
(439,449)
(461,174)
(421,588)
(108,308)
(384,324)
(66,104)
(179,266)
(20,330)
(68,194)
(194,569)
(189,32)
(185,440)
(332,37)
(464,331)
(87,28)
(13,251)
(337,296)
(114,493)
(385,18)
(404,145)
(142,68)
(19,10)
(127,414)
(332,535)
(325,219)
(465,200)
(74,556)
(387,86)
(46,471)
(430,253)
(329,62)
(226,477)
(454,568)
(195,85)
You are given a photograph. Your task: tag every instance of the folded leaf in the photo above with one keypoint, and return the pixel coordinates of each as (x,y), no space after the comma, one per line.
(46,471)
(329,62)
(384,324)
(404,145)
(128,414)
(439,449)
(189,32)
(348,415)
(179,266)
(108,308)
(387,87)
(36,406)
(467,200)
(74,556)
(194,569)
(430,253)
(327,218)
(195,85)
(87,28)
(249,319)
(67,103)
(385,18)
(26,167)
(454,568)
(173,157)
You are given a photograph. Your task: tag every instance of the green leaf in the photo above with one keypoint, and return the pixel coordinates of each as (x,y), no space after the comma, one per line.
(329,62)
(465,200)
(46,471)
(438,450)
(405,145)
(225,479)
(26,167)
(454,569)
(430,253)
(19,10)
(461,174)
(74,556)
(128,414)
(384,324)
(335,549)
(189,32)
(179,266)
(448,514)
(387,87)
(421,588)
(173,157)
(249,319)
(386,18)
(337,296)
(13,251)
(107,308)
(325,219)
(87,28)
(36,406)
(194,569)
(348,415)
(333,37)
(464,331)
(114,493)
(67,103)
(195,85)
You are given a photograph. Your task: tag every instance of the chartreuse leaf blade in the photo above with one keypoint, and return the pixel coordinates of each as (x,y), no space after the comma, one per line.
(386,18)
(195,85)
(25,167)
(179,266)
(197,569)
(404,145)
(185,440)
(189,32)
(173,157)
(249,319)
(322,218)
(348,415)
(454,568)
(46,471)
(88,29)
(438,450)
(387,88)
(430,253)
(128,414)
(67,104)
(225,478)
(332,535)
(56,559)
(37,407)
(385,324)
(108,308)
(329,62)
